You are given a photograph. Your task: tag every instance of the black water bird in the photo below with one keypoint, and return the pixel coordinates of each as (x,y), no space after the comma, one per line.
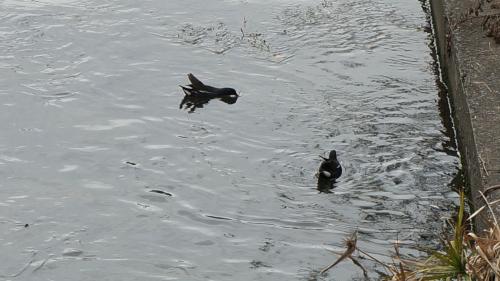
(198,94)
(329,171)
(330,167)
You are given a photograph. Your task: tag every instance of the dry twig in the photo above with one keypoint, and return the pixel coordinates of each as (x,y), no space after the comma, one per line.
(351,247)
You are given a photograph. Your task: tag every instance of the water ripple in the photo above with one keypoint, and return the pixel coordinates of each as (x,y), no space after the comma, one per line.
(101,171)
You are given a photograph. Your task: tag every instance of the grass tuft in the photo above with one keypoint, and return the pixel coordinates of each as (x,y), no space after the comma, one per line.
(465,256)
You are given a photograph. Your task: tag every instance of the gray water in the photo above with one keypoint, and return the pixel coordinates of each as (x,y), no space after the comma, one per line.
(103,177)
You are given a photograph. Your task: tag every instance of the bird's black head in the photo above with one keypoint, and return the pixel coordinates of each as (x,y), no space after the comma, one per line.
(333,155)
(228,92)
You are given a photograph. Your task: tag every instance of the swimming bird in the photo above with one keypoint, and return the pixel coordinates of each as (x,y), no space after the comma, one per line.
(197,88)
(330,167)
(198,94)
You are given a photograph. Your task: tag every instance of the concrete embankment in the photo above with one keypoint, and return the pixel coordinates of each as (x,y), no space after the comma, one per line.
(471,68)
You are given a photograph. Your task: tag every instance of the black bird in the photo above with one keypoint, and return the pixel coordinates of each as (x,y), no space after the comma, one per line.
(197,88)
(329,171)
(198,94)
(330,167)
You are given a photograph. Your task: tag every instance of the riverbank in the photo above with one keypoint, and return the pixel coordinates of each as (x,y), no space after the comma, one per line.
(471,68)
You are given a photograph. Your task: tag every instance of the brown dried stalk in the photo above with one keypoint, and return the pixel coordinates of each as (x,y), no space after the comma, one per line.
(350,248)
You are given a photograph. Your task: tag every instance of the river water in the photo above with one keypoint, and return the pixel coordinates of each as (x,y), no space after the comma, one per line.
(103,177)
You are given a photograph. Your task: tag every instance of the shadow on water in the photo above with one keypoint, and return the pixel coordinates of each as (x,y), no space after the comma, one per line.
(458,181)
(450,145)
(444,105)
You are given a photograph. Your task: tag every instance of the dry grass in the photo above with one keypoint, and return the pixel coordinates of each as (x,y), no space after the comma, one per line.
(465,255)
(484,262)
(484,265)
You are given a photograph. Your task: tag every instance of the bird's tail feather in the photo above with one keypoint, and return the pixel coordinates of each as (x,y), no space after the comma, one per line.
(186,90)
(196,84)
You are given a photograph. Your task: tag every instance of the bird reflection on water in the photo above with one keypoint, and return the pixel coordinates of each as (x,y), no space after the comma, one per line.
(192,103)
(197,94)
(325,185)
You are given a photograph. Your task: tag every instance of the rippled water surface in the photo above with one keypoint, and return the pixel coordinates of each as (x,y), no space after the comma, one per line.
(103,177)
